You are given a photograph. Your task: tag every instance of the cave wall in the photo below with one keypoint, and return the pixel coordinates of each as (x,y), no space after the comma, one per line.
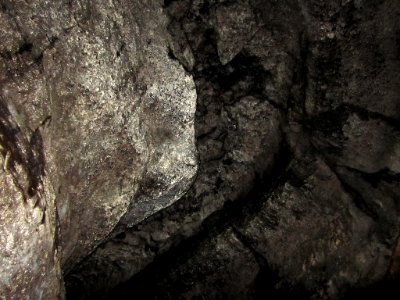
(296,125)
(297,130)
(96,132)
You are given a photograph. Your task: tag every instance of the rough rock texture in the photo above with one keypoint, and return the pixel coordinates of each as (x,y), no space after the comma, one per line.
(297,128)
(29,257)
(96,129)
(221,261)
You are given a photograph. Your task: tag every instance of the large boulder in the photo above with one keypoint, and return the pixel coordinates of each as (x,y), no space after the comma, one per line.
(296,125)
(297,128)
(96,129)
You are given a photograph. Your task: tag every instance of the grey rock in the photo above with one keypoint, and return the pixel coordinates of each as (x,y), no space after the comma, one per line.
(239,135)
(29,257)
(324,240)
(278,113)
(96,130)
(235,25)
(371,146)
(296,127)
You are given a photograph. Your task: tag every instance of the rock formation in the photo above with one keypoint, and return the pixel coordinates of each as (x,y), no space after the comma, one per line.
(97,130)
(199,149)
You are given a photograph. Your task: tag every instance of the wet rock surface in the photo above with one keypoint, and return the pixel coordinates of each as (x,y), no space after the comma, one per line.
(297,122)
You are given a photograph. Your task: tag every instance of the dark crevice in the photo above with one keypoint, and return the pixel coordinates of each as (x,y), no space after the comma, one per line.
(120,49)
(172,56)
(28,154)
(303,77)
(36,162)
(387,289)
(168,2)
(25,47)
(328,122)
(216,223)
(243,76)
(219,88)
(376,177)
(39,59)
(333,121)
(367,115)
(9,133)
(357,198)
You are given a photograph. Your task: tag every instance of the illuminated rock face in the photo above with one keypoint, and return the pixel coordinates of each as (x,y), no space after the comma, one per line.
(292,106)
(297,127)
(96,130)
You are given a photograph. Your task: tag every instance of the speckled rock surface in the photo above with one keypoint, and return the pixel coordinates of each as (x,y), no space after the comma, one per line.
(96,130)
(297,128)
(29,257)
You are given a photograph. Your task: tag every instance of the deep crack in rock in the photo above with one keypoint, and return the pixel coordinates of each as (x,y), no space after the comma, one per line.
(296,125)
